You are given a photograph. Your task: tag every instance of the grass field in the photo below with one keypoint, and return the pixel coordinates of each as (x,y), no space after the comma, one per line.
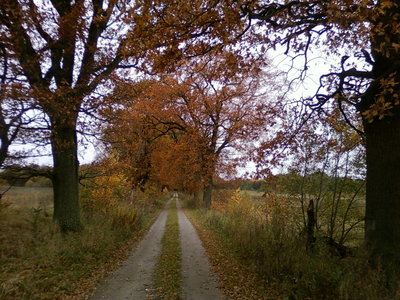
(37,261)
(28,197)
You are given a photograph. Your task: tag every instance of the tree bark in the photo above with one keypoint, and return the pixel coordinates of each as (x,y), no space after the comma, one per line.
(310,226)
(382,220)
(207,195)
(65,180)
(209,161)
(196,198)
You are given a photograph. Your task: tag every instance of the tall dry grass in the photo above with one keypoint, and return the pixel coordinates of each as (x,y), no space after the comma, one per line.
(37,261)
(27,197)
(263,235)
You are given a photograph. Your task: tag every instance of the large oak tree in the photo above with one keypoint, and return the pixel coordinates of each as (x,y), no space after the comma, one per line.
(365,37)
(64,49)
(14,107)
(222,107)
(67,50)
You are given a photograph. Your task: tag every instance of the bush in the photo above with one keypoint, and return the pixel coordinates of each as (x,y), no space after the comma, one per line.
(125,218)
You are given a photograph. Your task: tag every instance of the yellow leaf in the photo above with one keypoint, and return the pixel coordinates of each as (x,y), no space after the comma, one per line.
(396,46)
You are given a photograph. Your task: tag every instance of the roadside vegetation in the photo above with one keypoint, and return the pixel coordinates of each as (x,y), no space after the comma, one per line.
(256,247)
(38,261)
(237,279)
(167,275)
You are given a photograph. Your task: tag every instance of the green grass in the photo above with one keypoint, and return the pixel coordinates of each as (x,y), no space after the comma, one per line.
(167,275)
(37,261)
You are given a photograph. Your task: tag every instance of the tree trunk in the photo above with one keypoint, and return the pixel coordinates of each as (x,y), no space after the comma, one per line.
(310,226)
(207,194)
(382,221)
(196,198)
(65,180)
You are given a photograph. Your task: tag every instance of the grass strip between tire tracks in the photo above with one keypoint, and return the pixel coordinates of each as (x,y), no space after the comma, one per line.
(167,275)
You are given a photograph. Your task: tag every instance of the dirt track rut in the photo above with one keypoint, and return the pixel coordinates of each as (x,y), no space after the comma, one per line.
(133,279)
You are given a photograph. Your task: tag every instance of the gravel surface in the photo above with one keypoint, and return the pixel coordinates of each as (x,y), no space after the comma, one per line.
(199,283)
(133,280)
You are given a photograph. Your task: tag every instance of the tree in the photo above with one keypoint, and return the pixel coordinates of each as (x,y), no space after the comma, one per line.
(151,147)
(326,155)
(66,51)
(19,175)
(213,104)
(130,136)
(220,111)
(14,106)
(368,81)
(176,163)
(19,121)
(62,54)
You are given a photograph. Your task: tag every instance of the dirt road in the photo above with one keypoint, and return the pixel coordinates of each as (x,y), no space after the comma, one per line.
(133,280)
(198,281)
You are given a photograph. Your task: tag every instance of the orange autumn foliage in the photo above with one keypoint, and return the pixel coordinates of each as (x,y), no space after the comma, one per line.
(192,121)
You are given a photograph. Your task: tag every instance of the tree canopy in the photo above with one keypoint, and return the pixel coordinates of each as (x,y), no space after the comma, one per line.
(205,109)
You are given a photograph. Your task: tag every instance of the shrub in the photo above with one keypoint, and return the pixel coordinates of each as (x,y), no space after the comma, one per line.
(125,218)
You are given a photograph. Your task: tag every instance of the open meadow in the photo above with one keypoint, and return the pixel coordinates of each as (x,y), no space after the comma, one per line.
(28,197)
